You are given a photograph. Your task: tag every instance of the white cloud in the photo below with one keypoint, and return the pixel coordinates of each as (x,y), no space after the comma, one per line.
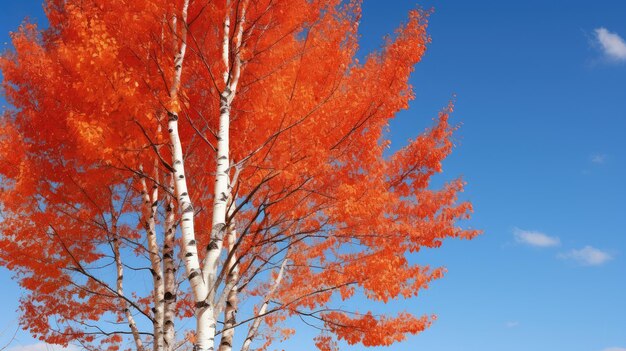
(587,256)
(598,158)
(534,238)
(613,46)
(42,346)
(615,349)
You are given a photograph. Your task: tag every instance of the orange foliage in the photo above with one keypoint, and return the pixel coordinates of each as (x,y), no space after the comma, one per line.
(308,122)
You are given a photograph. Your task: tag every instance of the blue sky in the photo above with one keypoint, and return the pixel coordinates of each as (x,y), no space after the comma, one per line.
(541,94)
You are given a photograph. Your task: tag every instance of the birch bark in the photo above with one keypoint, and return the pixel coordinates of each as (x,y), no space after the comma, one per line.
(169,269)
(150,212)
(230,312)
(222,178)
(120,290)
(222,190)
(205,325)
(203,280)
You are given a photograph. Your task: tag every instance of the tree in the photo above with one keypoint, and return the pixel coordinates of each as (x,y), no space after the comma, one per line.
(241,140)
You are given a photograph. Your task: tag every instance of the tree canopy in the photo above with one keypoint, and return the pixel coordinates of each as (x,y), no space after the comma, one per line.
(220,160)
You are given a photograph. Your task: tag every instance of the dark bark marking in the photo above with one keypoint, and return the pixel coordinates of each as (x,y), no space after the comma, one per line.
(212,246)
(202,304)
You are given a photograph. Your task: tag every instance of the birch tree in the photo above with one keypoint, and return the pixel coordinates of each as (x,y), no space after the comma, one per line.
(239,141)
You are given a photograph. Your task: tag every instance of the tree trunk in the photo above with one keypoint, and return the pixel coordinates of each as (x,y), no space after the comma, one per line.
(120,290)
(169,276)
(230,312)
(150,212)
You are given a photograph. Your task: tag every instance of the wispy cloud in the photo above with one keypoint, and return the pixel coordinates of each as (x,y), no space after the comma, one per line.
(615,349)
(613,46)
(588,256)
(511,324)
(42,346)
(534,238)
(598,158)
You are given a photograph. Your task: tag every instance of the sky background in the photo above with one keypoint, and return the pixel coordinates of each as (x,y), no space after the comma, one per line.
(541,98)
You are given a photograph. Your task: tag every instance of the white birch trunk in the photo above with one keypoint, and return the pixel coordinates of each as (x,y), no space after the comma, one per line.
(204,312)
(150,212)
(120,291)
(169,272)
(203,280)
(222,190)
(205,324)
(230,312)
